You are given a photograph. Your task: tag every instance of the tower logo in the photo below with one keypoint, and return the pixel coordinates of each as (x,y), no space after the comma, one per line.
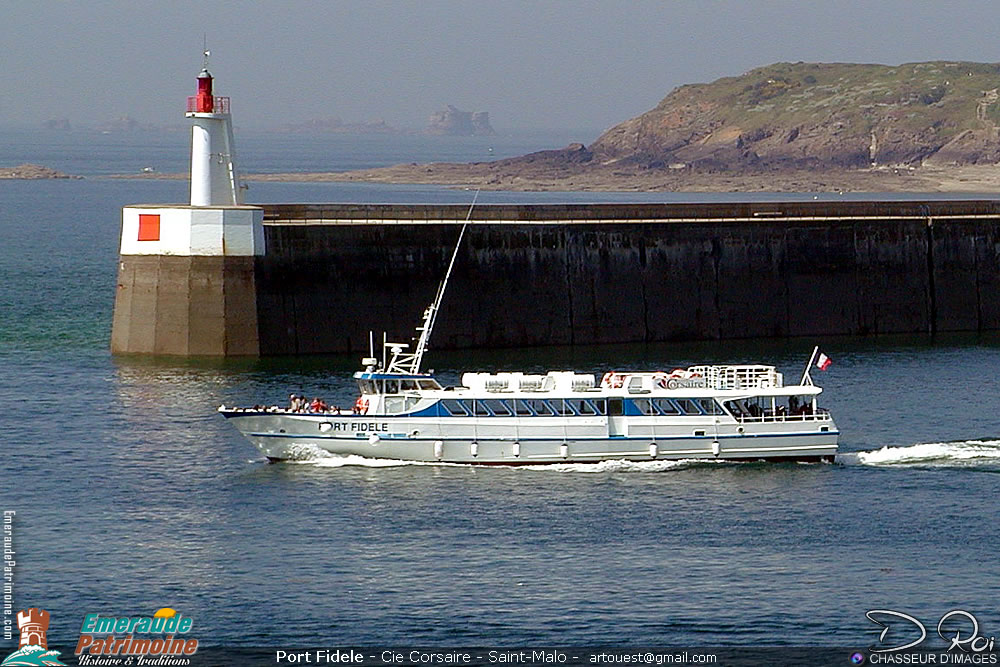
(32,650)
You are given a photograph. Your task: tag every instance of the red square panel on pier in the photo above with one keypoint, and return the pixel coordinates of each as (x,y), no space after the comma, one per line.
(149,227)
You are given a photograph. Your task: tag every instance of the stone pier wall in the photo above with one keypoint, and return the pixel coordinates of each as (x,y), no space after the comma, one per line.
(580,274)
(185,306)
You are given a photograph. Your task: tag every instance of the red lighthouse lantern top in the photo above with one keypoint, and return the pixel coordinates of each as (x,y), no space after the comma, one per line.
(204,102)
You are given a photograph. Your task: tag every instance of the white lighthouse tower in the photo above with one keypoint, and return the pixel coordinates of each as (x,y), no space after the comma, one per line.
(186,273)
(214,181)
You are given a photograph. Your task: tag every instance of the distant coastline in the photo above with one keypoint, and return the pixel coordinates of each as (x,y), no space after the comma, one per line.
(32,172)
(490,176)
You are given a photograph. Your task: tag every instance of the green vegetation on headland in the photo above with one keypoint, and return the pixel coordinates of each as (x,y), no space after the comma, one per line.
(813,115)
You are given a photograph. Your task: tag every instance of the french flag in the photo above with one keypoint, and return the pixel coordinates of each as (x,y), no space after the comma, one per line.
(823,362)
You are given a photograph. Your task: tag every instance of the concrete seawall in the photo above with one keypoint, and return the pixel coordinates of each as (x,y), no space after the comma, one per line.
(578,274)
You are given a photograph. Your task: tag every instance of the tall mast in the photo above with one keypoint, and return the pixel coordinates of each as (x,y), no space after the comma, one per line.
(410,363)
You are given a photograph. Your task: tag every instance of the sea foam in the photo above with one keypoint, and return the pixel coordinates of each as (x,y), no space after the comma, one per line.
(958,453)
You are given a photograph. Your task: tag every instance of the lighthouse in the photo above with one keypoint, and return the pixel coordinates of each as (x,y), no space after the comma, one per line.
(214,181)
(186,271)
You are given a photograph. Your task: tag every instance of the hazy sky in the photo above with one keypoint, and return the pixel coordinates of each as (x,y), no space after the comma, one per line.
(537,64)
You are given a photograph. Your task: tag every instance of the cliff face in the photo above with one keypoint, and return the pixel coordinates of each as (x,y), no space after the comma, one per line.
(456,122)
(815,115)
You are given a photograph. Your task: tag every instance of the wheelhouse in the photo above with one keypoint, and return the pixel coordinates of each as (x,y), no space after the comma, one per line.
(394,383)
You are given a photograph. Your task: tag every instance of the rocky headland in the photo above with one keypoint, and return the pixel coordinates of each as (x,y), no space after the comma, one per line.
(928,126)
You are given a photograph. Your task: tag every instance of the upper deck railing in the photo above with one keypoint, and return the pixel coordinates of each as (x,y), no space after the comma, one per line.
(807,414)
(738,377)
(741,377)
(219,104)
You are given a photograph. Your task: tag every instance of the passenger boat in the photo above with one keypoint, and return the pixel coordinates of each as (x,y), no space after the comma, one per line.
(728,412)
(720,412)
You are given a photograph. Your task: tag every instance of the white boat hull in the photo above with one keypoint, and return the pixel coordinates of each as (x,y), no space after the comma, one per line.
(288,436)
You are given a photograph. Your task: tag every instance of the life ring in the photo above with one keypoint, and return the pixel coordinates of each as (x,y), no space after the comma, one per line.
(678,373)
(361,405)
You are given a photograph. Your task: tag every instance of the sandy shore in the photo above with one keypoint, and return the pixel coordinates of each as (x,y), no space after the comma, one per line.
(497,176)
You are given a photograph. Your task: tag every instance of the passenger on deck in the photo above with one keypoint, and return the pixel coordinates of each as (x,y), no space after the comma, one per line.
(318,405)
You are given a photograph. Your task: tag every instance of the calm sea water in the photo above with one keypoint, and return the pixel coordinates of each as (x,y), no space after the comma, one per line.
(131,494)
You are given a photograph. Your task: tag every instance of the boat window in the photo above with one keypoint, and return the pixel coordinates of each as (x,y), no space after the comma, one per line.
(539,406)
(479,409)
(366,386)
(392,386)
(665,406)
(600,405)
(635,384)
(497,407)
(614,406)
(428,384)
(644,405)
(454,408)
(735,408)
(408,385)
(688,406)
(754,407)
(709,406)
(395,405)
(561,406)
(581,406)
(521,408)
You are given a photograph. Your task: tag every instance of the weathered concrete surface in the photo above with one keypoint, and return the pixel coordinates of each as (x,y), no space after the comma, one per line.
(574,274)
(184,305)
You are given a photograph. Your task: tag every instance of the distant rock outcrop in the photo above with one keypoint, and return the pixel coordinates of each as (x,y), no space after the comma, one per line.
(60,124)
(121,124)
(337,126)
(816,116)
(455,122)
(31,172)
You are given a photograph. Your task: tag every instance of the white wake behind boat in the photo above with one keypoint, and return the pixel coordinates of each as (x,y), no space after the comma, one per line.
(732,413)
